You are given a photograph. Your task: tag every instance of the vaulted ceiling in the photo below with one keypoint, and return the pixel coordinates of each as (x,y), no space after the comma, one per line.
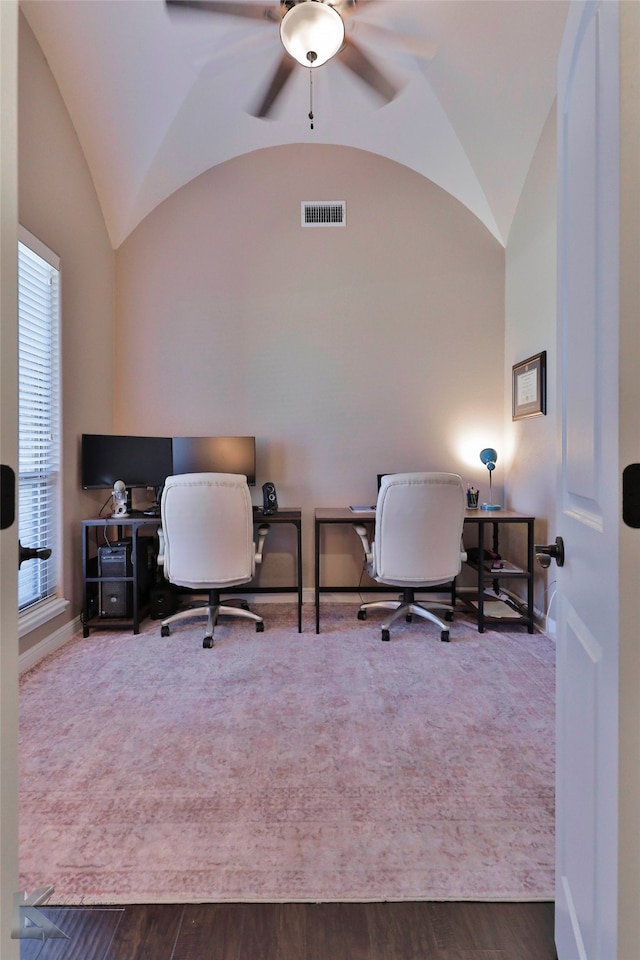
(158,99)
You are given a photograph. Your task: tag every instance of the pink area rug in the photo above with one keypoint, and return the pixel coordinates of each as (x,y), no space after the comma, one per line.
(284,766)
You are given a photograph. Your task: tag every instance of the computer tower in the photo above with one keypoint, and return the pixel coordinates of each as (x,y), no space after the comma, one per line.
(115,596)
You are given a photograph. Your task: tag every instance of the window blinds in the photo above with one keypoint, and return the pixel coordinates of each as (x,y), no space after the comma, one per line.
(38,418)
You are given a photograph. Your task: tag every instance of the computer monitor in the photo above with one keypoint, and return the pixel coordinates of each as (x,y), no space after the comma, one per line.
(137,461)
(215,455)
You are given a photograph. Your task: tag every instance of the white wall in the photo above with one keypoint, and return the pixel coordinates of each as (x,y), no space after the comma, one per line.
(346,351)
(58,204)
(530,327)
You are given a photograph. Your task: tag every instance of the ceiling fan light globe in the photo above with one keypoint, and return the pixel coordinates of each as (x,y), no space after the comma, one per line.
(312,32)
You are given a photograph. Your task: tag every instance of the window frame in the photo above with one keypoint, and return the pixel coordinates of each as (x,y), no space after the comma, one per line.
(44,609)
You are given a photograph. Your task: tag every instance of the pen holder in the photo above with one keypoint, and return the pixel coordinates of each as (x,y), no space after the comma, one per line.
(472,499)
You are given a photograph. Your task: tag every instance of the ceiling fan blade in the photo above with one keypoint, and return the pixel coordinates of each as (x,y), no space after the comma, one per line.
(346,7)
(279,79)
(404,42)
(356,60)
(234,8)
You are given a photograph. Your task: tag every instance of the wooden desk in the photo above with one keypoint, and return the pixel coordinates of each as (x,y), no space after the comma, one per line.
(283,515)
(91,580)
(480,518)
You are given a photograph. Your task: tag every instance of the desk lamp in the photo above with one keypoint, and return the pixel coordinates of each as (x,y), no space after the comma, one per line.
(489,457)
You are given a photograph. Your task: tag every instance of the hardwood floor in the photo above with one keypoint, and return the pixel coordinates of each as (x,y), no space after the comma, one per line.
(300,931)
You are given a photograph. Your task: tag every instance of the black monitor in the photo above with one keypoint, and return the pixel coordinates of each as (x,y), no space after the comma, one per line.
(137,461)
(215,455)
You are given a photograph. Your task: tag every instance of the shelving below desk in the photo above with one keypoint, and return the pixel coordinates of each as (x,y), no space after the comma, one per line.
(488,576)
(131,588)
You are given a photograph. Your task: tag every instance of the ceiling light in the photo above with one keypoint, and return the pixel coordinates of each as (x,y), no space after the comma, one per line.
(312,32)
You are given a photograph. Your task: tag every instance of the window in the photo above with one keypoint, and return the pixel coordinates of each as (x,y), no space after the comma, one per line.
(38,421)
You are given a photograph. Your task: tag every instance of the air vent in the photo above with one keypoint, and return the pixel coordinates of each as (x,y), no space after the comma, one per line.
(324,213)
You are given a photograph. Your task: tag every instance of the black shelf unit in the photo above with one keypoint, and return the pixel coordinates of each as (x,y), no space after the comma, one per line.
(488,578)
(126,530)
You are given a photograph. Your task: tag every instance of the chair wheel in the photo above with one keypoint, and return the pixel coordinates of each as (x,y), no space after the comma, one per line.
(207,643)
(259,627)
(408,618)
(362,614)
(165,631)
(385,635)
(448,616)
(444,636)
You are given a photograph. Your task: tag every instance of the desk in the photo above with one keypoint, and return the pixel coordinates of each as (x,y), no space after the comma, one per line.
(283,515)
(343,515)
(130,581)
(480,518)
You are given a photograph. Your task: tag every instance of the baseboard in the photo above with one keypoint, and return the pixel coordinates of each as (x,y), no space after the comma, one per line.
(49,645)
(359,596)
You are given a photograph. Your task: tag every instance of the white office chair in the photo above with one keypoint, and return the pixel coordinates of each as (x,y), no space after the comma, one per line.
(206,543)
(418,538)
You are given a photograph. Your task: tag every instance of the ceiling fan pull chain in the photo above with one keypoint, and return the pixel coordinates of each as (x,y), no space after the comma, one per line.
(311,98)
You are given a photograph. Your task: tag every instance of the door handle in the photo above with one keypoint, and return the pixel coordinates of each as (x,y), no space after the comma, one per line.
(32,553)
(552,551)
(7,496)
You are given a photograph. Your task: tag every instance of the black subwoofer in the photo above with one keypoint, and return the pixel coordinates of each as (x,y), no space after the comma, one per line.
(163,601)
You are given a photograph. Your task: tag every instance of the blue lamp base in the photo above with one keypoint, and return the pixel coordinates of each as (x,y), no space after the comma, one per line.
(490,506)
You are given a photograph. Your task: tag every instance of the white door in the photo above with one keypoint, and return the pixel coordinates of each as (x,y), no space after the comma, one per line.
(598,841)
(8,455)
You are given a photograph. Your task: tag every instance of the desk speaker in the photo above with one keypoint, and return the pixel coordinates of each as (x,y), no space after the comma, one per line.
(269,498)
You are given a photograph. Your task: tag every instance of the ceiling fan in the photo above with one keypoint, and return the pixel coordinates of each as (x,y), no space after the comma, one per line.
(312,33)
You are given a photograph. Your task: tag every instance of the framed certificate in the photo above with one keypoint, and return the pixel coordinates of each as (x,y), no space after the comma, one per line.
(530,387)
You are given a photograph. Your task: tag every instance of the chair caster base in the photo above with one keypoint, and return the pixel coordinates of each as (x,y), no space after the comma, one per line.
(362,614)
(448,616)
(386,636)
(259,627)
(207,643)
(165,632)
(444,636)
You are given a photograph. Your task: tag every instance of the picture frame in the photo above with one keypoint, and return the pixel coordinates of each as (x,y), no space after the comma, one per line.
(529,387)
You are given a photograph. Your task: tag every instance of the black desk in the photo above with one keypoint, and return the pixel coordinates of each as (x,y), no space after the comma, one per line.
(481,518)
(136,524)
(294,517)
